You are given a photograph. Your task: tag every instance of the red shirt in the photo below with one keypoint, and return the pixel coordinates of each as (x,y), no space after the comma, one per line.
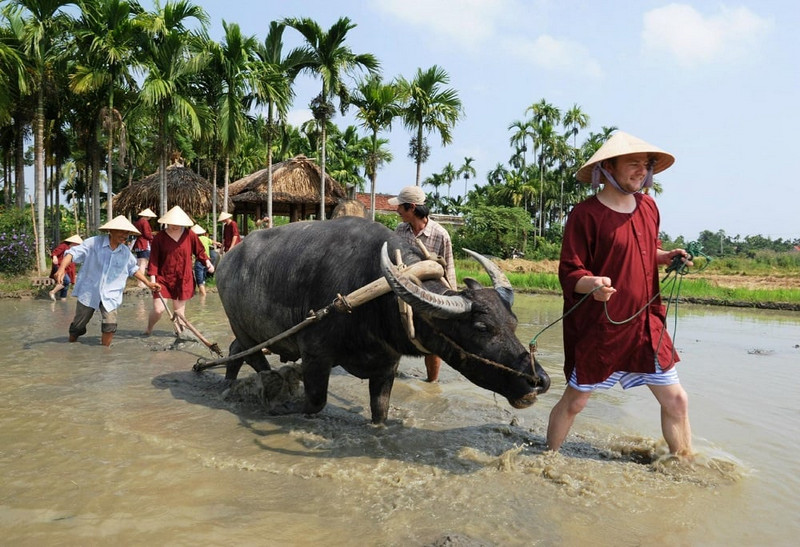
(142,242)
(171,263)
(622,246)
(229,231)
(58,254)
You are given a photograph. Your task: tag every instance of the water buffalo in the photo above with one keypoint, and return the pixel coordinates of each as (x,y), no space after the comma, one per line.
(274,278)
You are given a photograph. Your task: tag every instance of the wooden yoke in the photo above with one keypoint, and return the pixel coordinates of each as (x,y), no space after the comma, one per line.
(423,270)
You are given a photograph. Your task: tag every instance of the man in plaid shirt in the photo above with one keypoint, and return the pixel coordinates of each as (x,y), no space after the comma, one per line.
(410,203)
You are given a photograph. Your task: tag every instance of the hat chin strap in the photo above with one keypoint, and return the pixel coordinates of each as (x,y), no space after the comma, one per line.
(598,170)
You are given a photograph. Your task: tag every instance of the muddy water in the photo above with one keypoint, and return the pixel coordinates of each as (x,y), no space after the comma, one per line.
(125,445)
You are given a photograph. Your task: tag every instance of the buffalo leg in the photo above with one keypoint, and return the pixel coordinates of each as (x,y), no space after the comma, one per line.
(316,374)
(255,360)
(232,368)
(380,390)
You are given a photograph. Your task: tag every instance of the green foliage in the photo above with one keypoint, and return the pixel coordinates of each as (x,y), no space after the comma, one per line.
(494,231)
(12,218)
(545,249)
(390,221)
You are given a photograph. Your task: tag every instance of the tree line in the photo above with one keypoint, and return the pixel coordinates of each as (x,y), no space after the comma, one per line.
(109,91)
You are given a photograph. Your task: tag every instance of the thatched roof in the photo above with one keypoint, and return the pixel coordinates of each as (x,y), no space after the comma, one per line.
(184,187)
(295,186)
(349,208)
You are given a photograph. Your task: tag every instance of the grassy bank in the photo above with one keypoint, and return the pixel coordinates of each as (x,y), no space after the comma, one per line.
(778,293)
(780,290)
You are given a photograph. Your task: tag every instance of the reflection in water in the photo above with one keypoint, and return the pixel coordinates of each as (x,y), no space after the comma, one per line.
(126,444)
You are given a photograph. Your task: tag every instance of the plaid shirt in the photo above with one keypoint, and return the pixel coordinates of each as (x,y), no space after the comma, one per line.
(437,240)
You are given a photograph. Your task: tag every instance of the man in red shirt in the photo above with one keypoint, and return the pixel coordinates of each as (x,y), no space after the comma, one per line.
(618,334)
(230,232)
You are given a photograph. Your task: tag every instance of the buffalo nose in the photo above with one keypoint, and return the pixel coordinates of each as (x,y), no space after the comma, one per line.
(542,378)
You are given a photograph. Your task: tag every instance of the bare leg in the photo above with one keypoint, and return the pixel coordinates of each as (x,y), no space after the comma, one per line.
(55,290)
(155,315)
(563,415)
(432,365)
(675,418)
(106,338)
(179,308)
(142,268)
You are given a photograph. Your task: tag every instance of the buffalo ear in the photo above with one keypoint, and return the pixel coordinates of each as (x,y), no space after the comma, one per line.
(499,280)
(472,284)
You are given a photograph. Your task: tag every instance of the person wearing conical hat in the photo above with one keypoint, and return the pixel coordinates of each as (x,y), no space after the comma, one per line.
(141,247)
(107,264)
(56,256)
(230,232)
(171,264)
(611,250)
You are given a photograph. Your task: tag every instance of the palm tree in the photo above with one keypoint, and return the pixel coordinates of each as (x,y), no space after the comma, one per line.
(12,69)
(331,60)
(435,180)
(44,32)
(170,64)
(575,120)
(109,37)
(466,171)
(429,108)
(15,88)
(273,79)
(545,118)
(73,189)
(449,175)
(519,139)
(349,154)
(378,105)
(235,56)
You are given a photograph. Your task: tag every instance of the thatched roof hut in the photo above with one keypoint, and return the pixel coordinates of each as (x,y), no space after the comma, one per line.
(295,191)
(349,208)
(184,187)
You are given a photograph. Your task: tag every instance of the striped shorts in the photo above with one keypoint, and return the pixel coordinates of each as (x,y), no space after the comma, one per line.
(629,379)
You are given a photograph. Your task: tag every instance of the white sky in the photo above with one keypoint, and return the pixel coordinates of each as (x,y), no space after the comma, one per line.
(714,83)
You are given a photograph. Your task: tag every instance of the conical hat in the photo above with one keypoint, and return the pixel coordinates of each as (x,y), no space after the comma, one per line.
(199,230)
(176,217)
(621,144)
(225,216)
(74,239)
(120,223)
(147,213)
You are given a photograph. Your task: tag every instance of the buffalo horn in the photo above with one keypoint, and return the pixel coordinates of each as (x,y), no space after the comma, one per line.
(499,280)
(421,300)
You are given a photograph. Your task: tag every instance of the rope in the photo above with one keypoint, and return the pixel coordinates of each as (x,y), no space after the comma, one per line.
(464,353)
(677,269)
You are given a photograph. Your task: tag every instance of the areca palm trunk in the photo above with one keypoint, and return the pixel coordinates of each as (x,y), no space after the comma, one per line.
(269,163)
(38,147)
(19,166)
(109,150)
(419,153)
(227,178)
(322,175)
